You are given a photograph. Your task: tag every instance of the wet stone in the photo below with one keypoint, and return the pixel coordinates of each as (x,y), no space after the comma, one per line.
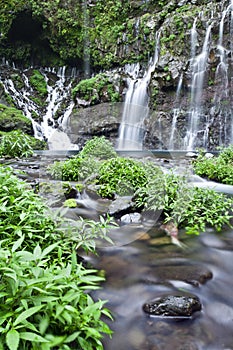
(195,274)
(121,206)
(177,306)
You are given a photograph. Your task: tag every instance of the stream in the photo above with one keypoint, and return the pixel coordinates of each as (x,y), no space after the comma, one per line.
(143,264)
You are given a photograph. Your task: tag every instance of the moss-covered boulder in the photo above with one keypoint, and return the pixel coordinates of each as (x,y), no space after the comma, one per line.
(12,119)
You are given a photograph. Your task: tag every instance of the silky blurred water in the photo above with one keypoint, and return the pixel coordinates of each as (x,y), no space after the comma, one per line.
(126,289)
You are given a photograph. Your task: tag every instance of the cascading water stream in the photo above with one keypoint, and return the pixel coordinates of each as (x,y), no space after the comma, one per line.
(176,112)
(49,129)
(21,98)
(199,66)
(136,106)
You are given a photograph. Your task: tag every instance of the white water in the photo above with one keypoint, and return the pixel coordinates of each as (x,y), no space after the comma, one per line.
(199,67)
(136,105)
(58,93)
(176,113)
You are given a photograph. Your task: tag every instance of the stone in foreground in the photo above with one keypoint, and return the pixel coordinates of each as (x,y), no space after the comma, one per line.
(177,306)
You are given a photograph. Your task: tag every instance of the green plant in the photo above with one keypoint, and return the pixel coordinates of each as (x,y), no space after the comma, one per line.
(122,176)
(23,213)
(13,119)
(85,163)
(70,203)
(44,302)
(44,305)
(75,169)
(98,147)
(95,89)
(218,168)
(190,207)
(15,144)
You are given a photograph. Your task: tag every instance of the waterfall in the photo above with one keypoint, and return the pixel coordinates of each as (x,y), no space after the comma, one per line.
(136,105)
(219,114)
(23,102)
(58,88)
(176,113)
(199,67)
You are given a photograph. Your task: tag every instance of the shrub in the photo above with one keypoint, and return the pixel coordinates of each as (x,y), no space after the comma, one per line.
(38,82)
(96,89)
(23,213)
(12,118)
(44,305)
(74,169)
(98,147)
(84,164)
(122,176)
(17,144)
(219,168)
(43,293)
(190,207)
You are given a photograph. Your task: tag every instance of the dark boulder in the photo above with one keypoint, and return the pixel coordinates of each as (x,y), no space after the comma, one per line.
(175,306)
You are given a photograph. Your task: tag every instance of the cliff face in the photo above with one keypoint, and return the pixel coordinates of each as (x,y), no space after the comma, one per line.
(105,35)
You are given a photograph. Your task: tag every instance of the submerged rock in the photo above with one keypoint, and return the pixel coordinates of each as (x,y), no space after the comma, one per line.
(131,218)
(194,274)
(121,206)
(181,306)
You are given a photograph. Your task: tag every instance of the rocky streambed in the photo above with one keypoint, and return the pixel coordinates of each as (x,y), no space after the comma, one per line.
(162,296)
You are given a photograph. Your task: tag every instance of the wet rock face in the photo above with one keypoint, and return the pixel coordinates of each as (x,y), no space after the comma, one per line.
(173,306)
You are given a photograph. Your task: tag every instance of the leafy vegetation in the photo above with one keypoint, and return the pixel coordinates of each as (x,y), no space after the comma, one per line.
(84,164)
(218,168)
(17,144)
(70,32)
(190,207)
(43,294)
(120,176)
(98,147)
(187,206)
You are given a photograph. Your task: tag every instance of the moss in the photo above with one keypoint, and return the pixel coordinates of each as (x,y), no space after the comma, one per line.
(70,203)
(12,119)
(109,33)
(38,82)
(96,89)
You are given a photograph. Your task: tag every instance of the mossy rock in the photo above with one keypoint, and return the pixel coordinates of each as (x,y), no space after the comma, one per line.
(12,119)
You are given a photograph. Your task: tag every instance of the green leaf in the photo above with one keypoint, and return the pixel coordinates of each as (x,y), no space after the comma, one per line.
(72,337)
(18,243)
(24,315)
(44,323)
(37,252)
(48,250)
(33,337)
(12,339)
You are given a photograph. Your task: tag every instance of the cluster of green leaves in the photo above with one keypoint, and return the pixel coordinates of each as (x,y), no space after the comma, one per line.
(15,144)
(84,164)
(98,147)
(43,293)
(96,89)
(122,176)
(171,194)
(18,144)
(74,169)
(187,206)
(218,168)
